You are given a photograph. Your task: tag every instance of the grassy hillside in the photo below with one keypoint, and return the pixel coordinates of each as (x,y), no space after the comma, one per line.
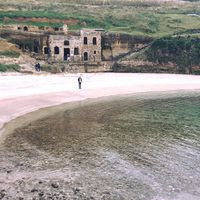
(130,16)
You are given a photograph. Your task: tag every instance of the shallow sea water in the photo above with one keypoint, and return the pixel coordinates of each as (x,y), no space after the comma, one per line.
(143,146)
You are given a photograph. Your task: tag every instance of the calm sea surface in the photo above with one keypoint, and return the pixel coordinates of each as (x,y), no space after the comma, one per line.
(135,147)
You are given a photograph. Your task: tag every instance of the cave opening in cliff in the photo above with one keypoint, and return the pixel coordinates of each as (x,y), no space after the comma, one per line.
(36,49)
(25,28)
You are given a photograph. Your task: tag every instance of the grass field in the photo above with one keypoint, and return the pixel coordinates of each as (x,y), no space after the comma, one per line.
(130,16)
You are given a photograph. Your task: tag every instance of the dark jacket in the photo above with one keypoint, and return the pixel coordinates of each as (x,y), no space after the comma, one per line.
(79,79)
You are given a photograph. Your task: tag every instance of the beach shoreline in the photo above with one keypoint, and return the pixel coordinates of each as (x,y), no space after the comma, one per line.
(22,94)
(84,144)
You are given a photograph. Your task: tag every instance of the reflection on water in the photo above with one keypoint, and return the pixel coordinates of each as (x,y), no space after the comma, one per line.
(136,147)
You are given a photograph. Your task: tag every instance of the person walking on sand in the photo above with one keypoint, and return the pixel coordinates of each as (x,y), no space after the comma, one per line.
(79,82)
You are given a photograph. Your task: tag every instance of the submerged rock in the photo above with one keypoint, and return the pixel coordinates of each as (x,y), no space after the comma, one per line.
(54,185)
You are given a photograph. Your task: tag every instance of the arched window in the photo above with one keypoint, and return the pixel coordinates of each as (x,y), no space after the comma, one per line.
(85,40)
(85,56)
(94,41)
(56,50)
(66,42)
(76,51)
(25,28)
(46,50)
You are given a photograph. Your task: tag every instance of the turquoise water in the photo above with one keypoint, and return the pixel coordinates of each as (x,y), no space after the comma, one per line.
(134,147)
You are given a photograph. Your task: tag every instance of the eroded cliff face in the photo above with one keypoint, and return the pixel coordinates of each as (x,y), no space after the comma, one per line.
(141,66)
(172,54)
(27,42)
(116,46)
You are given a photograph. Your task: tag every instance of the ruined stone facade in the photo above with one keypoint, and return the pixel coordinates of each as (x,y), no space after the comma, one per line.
(57,44)
(85,47)
(35,29)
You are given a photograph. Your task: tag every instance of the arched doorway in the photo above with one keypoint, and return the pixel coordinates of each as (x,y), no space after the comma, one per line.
(85,56)
(66,53)
(56,50)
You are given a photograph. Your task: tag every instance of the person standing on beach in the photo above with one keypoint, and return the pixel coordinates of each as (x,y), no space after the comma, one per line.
(79,82)
(38,67)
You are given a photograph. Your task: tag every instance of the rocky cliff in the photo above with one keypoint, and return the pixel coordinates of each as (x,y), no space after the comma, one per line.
(116,46)
(174,54)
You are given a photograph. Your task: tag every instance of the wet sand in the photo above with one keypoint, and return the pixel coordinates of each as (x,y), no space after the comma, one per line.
(32,168)
(142,146)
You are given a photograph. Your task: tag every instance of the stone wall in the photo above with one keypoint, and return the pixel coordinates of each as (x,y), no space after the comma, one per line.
(88,68)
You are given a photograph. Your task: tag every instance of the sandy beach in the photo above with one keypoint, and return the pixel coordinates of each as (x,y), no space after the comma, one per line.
(21,94)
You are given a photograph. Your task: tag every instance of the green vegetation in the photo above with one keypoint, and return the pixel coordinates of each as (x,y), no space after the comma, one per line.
(184,52)
(134,17)
(12,67)
(46,68)
(9,53)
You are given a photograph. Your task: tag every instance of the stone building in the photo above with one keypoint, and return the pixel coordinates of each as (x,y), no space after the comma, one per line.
(84,47)
(57,44)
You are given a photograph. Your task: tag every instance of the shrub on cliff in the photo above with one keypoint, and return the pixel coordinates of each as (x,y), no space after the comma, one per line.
(12,54)
(184,52)
(12,67)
